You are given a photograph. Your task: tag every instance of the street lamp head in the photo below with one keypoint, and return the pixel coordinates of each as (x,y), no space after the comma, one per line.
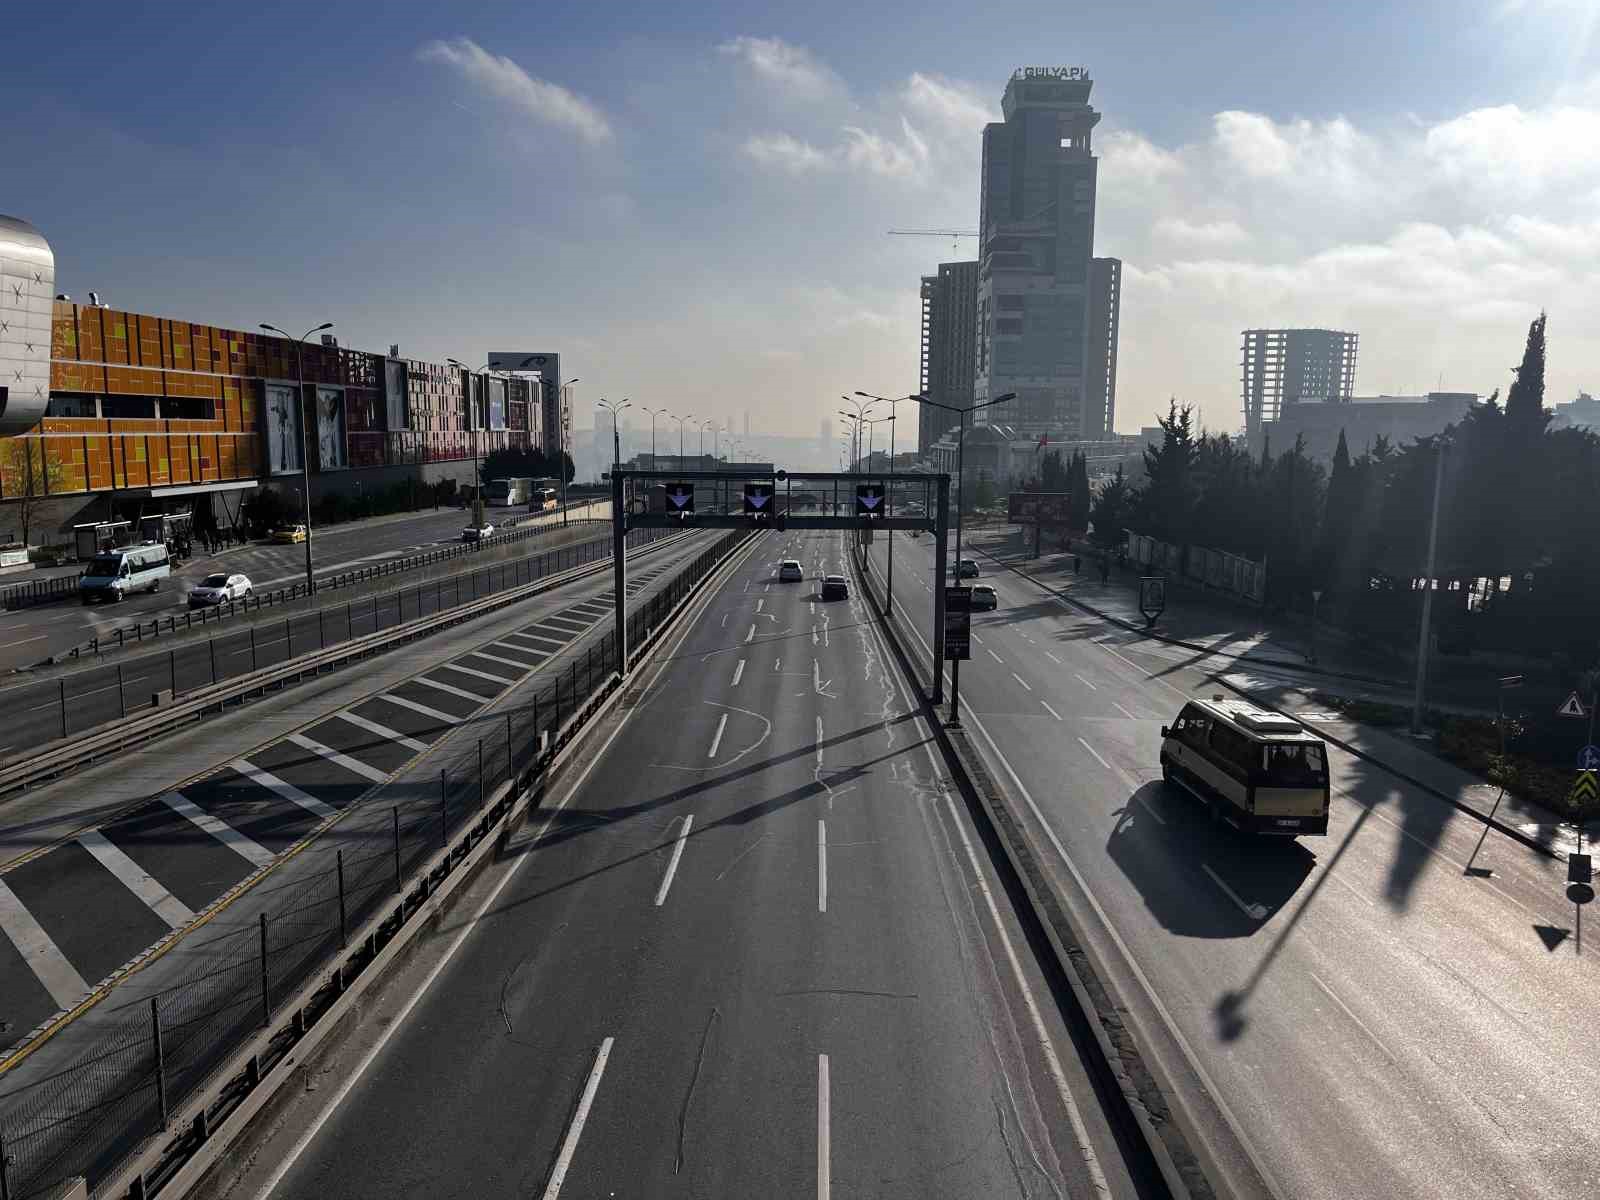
(324,325)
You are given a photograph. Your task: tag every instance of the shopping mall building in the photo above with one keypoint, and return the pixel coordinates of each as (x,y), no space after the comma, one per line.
(108,413)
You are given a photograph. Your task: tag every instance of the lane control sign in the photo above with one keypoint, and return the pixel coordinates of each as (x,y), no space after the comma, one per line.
(957,623)
(758,501)
(869,499)
(680,499)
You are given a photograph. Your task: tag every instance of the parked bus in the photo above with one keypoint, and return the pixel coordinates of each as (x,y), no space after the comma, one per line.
(115,573)
(1259,771)
(509,493)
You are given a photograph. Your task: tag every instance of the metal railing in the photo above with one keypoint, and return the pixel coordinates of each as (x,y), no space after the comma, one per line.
(91,1116)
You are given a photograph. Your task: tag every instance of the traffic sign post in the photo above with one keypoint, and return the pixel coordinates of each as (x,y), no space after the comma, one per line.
(1589,759)
(869,500)
(957,623)
(1152,597)
(758,503)
(1572,706)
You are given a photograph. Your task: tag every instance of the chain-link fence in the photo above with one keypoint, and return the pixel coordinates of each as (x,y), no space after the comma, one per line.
(75,703)
(87,1117)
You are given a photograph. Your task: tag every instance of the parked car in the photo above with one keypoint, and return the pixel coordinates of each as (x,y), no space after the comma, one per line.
(790,571)
(477,533)
(967,568)
(834,587)
(289,534)
(984,597)
(219,589)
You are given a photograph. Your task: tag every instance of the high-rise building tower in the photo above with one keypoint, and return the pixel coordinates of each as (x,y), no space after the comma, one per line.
(1100,388)
(1037,237)
(747,422)
(949,346)
(1280,367)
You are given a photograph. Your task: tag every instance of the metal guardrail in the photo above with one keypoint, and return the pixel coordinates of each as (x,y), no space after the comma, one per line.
(168,1072)
(215,691)
(38,591)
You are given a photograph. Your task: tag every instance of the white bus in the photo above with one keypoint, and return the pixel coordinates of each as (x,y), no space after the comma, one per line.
(508,493)
(1259,771)
(114,573)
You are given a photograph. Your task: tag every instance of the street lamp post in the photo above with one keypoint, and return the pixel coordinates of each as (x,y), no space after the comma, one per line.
(654,413)
(305,455)
(961,451)
(680,421)
(481,441)
(616,439)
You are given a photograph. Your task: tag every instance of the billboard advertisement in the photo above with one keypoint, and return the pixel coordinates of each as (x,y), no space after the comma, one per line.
(1026,508)
(497,402)
(330,429)
(283,429)
(394,394)
(526,362)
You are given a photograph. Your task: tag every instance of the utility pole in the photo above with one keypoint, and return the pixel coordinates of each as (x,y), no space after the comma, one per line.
(1427,594)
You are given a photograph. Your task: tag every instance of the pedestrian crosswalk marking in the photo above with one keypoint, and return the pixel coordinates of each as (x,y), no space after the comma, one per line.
(383,731)
(282,787)
(436,714)
(230,837)
(447,688)
(354,765)
(43,956)
(136,879)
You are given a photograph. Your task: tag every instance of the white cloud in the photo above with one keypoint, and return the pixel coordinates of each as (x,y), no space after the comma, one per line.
(1201,233)
(500,77)
(906,158)
(794,70)
(785,153)
(1129,155)
(958,109)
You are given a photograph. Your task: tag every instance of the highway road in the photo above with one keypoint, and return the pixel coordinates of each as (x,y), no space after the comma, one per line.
(756,950)
(121,683)
(1392,1010)
(31,635)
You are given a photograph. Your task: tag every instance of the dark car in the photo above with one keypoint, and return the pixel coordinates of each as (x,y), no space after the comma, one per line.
(834,587)
(984,598)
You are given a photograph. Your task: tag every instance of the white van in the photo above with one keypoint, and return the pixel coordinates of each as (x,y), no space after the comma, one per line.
(1259,771)
(115,573)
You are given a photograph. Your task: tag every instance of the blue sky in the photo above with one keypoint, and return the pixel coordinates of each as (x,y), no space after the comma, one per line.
(691,204)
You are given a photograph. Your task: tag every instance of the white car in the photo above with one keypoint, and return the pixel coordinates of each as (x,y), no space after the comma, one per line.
(477,533)
(790,571)
(219,589)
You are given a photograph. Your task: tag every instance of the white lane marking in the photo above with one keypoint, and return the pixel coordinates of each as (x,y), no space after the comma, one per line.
(760,604)
(751,636)
(1124,711)
(520,649)
(569,1144)
(724,620)
(136,879)
(1097,757)
(520,664)
(539,637)
(1052,658)
(1021,680)
(1085,682)
(43,956)
(716,740)
(383,731)
(1349,1012)
(354,765)
(822,867)
(672,863)
(1256,912)
(489,676)
(1150,808)
(977,639)
(436,713)
(282,787)
(738,674)
(993,655)
(230,837)
(824,1150)
(450,689)
(1050,710)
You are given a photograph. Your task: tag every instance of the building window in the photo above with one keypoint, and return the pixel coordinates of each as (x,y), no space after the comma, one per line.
(70,404)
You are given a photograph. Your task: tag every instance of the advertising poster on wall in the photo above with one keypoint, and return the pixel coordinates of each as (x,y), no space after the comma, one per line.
(394,393)
(330,429)
(283,429)
(497,403)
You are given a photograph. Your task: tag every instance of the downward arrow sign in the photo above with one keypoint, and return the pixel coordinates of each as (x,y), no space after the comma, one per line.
(871,502)
(758,499)
(680,498)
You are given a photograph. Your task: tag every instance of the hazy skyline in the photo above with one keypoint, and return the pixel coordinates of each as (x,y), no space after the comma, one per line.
(692,207)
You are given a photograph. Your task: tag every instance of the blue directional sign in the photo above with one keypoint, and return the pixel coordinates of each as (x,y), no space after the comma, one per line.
(758,500)
(680,499)
(869,500)
(1589,758)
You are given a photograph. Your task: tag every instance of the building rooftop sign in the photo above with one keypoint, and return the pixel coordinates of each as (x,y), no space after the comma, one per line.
(1050,73)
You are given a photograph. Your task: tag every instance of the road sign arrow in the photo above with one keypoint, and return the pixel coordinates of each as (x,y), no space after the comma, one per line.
(680,498)
(870,501)
(1585,788)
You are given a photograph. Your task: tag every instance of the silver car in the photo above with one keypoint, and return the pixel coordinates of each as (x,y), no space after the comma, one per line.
(219,589)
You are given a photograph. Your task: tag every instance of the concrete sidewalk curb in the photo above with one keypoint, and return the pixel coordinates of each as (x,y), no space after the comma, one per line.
(1190,1167)
(1200,647)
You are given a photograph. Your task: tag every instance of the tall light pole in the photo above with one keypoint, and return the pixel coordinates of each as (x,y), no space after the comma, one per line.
(654,413)
(961,452)
(305,454)
(616,439)
(703,424)
(1427,595)
(680,421)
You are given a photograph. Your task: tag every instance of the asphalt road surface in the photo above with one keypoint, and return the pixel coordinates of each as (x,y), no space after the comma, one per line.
(125,681)
(1394,1009)
(759,953)
(31,635)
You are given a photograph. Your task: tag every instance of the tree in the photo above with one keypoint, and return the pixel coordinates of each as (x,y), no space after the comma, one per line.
(1338,510)
(1165,505)
(1078,491)
(1110,512)
(28,474)
(1052,474)
(1525,401)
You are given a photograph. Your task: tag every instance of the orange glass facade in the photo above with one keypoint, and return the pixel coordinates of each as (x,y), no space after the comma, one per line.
(202,388)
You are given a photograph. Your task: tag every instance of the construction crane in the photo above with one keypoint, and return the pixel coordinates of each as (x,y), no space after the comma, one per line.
(955,235)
